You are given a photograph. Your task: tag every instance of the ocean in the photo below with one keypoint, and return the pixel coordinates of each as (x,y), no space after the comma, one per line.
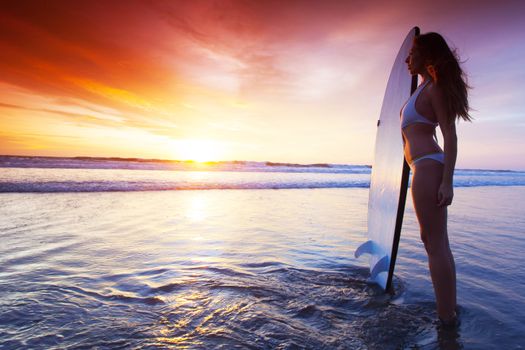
(146,254)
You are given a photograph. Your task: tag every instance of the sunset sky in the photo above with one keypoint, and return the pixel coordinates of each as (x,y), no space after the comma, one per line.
(284,81)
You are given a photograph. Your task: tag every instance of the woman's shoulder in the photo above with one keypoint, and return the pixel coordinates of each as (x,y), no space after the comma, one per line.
(435,92)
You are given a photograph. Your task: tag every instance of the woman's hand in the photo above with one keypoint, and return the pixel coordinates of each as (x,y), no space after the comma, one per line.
(445,194)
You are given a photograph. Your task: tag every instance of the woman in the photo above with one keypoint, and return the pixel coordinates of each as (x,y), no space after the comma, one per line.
(441,99)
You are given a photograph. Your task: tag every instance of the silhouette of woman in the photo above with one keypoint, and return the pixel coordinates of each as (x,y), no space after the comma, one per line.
(440,100)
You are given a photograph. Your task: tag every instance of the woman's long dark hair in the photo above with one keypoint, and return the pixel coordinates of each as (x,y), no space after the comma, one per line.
(443,66)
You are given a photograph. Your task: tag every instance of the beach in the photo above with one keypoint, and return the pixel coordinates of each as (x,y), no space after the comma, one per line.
(197,175)
(247,268)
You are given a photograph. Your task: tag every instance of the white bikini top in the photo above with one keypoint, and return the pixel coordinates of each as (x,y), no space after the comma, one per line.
(409,115)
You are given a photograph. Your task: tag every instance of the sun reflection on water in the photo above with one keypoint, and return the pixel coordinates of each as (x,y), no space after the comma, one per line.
(198,208)
(185,334)
(196,315)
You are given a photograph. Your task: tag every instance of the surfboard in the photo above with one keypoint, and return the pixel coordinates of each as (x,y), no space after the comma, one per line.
(390,172)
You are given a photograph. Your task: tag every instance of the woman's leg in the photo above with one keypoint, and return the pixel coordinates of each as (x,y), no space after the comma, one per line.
(432,219)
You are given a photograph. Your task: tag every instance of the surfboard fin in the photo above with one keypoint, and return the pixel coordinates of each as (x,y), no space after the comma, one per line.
(382,265)
(369,247)
(375,250)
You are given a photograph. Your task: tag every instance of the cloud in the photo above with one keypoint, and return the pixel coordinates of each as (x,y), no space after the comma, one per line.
(147,48)
(177,68)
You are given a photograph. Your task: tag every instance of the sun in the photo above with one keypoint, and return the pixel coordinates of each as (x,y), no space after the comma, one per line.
(199,150)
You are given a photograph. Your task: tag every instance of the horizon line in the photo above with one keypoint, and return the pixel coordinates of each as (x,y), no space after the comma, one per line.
(212,162)
(145,160)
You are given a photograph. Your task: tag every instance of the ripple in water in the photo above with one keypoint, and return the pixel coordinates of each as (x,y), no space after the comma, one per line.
(248,270)
(268,306)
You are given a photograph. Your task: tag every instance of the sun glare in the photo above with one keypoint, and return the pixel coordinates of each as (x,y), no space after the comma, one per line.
(199,150)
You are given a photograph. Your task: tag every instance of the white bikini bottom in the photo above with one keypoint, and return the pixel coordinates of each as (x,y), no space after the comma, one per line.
(439,156)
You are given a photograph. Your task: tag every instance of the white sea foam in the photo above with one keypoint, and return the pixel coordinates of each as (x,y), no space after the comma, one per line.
(46,174)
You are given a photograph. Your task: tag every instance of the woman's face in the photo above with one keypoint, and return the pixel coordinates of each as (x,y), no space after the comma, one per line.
(415,62)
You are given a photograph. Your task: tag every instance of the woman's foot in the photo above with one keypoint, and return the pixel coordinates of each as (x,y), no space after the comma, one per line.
(450,323)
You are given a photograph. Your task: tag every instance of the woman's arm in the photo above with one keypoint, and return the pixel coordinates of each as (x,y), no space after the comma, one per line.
(451,151)
(448,129)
